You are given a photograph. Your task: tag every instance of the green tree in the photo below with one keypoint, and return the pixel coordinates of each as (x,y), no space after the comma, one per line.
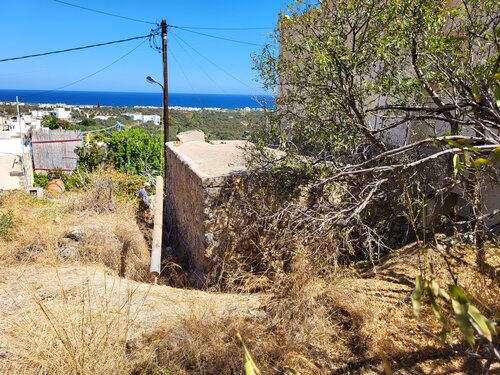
(53,122)
(375,98)
(381,107)
(134,151)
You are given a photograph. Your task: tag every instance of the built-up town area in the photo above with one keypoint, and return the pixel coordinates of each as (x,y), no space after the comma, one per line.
(17,119)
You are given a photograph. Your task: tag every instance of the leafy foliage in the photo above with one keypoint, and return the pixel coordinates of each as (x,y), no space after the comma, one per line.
(91,156)
(72,181)
(136,152)
(373,98)
(53,122)
(469,320)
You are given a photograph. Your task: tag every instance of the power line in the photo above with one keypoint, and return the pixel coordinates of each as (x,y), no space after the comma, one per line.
(86,77)
(77,48)
(105,13)
(216,37)
(197,64)
(155,23)
(180,68)
(217,66)
(223,28)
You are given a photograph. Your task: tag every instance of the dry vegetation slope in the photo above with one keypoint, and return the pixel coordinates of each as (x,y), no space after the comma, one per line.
(65,310)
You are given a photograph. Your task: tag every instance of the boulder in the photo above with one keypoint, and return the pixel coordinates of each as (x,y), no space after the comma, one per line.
(76,233)
(67,252)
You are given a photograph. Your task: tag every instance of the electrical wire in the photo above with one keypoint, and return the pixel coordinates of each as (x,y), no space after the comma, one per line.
(216,37)
(179,65)
(176,38)
(217,66)
(224,28)
(76,48)
(155,23)
(105,13)
(86,77)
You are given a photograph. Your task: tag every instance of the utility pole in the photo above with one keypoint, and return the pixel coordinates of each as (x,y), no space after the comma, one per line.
(166,135)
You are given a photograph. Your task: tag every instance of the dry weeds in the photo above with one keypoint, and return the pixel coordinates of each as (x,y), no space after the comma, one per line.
(354,321)
(111,238)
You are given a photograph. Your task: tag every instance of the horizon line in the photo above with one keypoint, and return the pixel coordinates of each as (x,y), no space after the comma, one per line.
(138,92)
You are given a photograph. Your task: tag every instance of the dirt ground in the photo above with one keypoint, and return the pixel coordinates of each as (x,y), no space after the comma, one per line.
(23,288)
(61,300)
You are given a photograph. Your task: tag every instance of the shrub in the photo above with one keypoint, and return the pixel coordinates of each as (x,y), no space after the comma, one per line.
(91,156)
(135,151)
(72,181)
(7,224)
(40,179)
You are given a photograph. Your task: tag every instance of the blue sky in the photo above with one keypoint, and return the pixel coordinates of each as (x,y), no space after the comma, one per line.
(35,26)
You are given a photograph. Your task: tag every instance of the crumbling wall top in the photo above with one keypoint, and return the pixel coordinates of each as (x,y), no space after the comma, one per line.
(212,161)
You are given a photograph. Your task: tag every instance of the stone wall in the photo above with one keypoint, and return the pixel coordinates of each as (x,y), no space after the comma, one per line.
(201,179)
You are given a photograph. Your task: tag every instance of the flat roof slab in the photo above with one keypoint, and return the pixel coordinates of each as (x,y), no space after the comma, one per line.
(213,160)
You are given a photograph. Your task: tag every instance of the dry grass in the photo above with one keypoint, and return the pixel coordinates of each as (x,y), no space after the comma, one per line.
(303,331)
(85,334)
(111,238)
(354,321)
(359,322)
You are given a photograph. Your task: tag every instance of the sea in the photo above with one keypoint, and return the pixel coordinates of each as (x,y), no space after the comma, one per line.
(134,99)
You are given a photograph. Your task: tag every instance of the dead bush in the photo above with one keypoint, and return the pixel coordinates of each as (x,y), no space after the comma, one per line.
(105,188)
(302,329)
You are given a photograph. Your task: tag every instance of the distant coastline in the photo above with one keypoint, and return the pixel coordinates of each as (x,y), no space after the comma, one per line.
(133,99)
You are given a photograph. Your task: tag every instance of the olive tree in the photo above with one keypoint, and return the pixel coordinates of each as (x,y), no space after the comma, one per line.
(388,110)
(388,113)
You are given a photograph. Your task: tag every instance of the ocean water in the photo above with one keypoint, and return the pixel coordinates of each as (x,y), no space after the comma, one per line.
(131,99)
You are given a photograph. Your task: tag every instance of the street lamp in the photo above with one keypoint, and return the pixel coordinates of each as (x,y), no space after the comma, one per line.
(153,81)
(165,126)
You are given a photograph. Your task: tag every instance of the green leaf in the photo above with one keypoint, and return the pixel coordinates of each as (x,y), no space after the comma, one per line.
(497,95)
(457,293)
(444,295)
(417,295)
(484,326)
(250,366)
(454,143)
(475,92)
(480,161)
(460,306)
(436,309)
(456,164)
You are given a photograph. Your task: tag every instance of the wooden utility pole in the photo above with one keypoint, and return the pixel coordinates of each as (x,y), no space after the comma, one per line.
(166,135)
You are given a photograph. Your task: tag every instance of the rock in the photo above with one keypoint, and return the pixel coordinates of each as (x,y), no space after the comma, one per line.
(67,252)
(208,238)
(76,233)
(31,251)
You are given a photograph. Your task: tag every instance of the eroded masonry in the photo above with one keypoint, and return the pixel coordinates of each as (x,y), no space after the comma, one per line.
(202,179)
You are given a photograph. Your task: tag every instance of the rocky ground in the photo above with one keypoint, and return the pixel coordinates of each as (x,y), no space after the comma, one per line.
(66,309)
